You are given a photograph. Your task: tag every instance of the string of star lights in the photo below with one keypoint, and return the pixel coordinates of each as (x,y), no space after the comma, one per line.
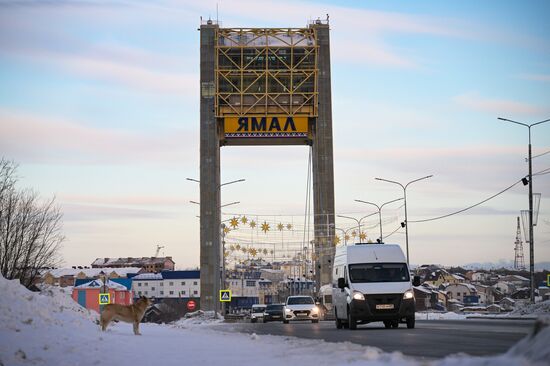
(250,238)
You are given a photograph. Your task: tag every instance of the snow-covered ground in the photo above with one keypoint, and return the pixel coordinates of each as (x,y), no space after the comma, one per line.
(527,311)
(51,329)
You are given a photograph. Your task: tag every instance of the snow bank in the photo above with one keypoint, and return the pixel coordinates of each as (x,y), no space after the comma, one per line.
(440,316)
(540,308)
(51,329)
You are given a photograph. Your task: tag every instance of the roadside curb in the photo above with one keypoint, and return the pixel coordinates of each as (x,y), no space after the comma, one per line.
(501,318)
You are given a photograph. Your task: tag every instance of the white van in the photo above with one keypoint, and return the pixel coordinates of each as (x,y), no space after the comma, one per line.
(371,282)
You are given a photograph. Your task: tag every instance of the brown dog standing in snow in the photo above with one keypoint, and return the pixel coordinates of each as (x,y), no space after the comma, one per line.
(126,313)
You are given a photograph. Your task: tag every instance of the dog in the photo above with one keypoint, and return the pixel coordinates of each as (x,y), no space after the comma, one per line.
(126,313)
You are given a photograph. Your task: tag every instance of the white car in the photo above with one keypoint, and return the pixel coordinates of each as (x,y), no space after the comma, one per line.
(257,313)
(301,308)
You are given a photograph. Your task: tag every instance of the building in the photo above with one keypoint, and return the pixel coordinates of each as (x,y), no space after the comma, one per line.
(87,294)
(148,264)
(436,276)
(485,293)
(462,292)
(67,276)
(167,284)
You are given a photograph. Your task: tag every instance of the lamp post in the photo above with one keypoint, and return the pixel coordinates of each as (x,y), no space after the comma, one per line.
(380,212)
(358,222)
(405,223)
(216,304)
(531,239)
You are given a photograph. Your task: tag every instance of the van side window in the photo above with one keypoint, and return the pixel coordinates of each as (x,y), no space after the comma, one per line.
(346,275)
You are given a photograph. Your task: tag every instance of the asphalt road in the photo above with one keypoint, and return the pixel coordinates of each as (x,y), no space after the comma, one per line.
(430,338)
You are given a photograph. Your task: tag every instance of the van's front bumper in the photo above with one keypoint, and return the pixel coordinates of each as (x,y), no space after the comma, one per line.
(382,307)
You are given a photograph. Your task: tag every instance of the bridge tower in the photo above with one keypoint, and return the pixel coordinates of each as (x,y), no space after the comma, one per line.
(264,86)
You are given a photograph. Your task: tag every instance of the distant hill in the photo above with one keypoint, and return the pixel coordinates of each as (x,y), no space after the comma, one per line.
(508,264)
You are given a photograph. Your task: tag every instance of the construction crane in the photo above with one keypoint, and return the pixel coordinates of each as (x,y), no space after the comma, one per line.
(159,247)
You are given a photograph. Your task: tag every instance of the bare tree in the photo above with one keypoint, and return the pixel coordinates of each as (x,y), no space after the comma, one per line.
(30,229)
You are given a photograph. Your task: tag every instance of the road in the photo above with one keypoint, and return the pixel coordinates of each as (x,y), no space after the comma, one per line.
(430,339)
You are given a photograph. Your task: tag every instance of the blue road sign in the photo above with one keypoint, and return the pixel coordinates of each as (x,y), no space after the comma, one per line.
(225,295)
(104,299)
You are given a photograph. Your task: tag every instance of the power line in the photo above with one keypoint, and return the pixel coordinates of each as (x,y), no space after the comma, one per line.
(541,172)
(469,207)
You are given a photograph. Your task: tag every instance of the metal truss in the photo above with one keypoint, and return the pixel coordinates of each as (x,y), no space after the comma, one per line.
(266,71)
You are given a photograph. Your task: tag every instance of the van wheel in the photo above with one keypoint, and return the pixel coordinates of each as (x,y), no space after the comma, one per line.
(387,324)
(285,321)
(352,322)
(410,322)
(337,321)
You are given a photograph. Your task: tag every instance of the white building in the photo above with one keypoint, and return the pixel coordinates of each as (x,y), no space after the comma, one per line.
(167,284)
(458,291)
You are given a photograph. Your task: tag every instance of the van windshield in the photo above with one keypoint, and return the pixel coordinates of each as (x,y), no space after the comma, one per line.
(379,272)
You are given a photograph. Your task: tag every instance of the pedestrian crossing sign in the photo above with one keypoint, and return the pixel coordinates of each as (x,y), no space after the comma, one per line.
(225,295)
(104,299)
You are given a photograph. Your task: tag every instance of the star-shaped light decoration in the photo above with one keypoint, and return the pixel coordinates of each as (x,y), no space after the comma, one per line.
(244,250)
(271,251)
(362,236)
(252,224)
(231,247)
(237,247)
(336,240)
(244,220)
(346,237)
(264,251)
(253,252)
(354,233)
(265,227)
(226,230)
(280,226)
(234,222)
(289,226)
(226,254)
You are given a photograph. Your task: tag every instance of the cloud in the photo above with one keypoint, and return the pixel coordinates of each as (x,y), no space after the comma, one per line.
(141,200)
(75,212)
(476,102)
(535,77)
(27,137)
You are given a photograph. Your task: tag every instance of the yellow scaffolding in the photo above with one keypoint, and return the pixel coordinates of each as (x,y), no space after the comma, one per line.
(266,71)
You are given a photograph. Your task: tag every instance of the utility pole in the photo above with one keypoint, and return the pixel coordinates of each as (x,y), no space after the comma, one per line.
(531,237)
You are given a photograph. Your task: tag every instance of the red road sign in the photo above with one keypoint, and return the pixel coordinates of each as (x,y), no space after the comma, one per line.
(191,305)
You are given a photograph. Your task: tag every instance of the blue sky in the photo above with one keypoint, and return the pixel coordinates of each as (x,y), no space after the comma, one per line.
(99,106)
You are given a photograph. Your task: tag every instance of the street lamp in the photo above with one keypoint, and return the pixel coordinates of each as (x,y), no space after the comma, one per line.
(530,179)
(227,204)
(380,212)
(345,233)
(358,222)
(405,223)
(216,223)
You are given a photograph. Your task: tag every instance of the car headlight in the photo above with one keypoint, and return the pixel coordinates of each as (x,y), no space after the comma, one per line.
(288,310)
(408,295)
(315,310)
(358,296)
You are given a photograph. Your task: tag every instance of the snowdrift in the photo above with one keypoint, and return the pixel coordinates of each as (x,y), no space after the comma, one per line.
(49,328)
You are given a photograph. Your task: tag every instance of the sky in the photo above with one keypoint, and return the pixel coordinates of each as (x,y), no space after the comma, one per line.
(99,106)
